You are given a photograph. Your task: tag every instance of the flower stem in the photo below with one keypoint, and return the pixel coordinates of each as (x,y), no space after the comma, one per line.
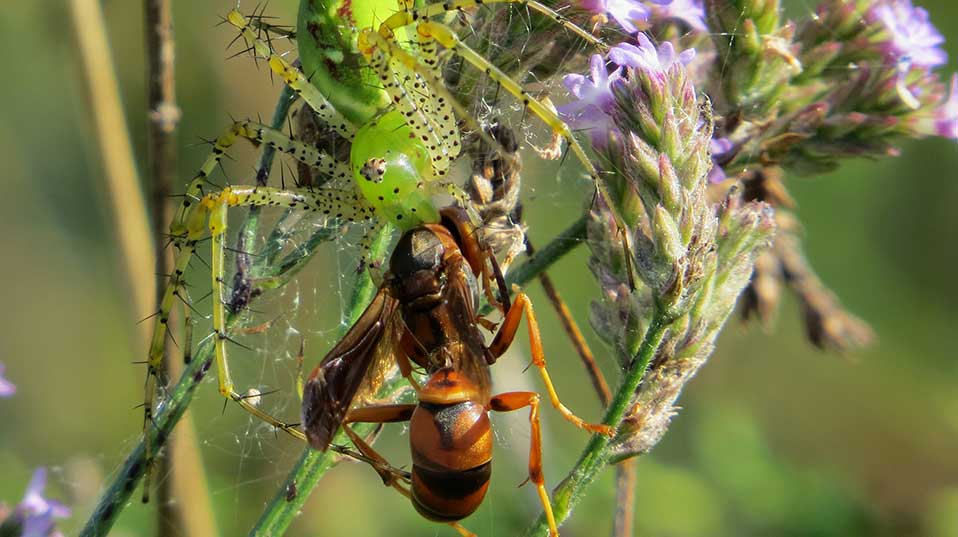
(168,413)
(595,457)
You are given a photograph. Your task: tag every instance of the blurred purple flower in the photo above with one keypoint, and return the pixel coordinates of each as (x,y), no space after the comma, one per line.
(910,34)
(34,516)
(719,146)
(940,119)
(7,388)
(646,57)
(627,13)
(946,116)
(591,110)
(690,12)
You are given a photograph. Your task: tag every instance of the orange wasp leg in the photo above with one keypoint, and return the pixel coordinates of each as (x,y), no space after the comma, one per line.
(505,337)
(377,414)
(390,475)
(507,402)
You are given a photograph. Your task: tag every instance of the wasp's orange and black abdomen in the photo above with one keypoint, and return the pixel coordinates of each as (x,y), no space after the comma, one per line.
(452,458)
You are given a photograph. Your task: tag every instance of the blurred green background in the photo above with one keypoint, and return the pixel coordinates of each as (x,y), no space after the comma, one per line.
(774,438)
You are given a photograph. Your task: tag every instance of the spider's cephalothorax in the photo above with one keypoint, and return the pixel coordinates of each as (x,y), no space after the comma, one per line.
(387,99)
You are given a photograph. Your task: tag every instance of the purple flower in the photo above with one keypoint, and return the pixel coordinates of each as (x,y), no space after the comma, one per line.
(595,104)
(646,57)
(940,119)
(35,515)
(591,110)
(7,388)
(945,120)
(719,146)
(688,11)
(627,13)
(910,34)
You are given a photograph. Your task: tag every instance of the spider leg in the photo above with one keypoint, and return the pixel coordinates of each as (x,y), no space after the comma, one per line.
(340,205)
(430,116)
(408,16)
(543,110)
(293,77)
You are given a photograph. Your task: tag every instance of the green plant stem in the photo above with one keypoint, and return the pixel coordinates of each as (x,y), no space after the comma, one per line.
(565,242)
(595,457)
(312,465)
(117,495)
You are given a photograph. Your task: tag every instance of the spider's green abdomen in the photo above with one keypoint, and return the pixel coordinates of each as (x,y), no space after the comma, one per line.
(390,166)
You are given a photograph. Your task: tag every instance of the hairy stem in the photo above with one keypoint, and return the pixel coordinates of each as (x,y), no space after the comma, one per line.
(117,494)
(596,456)
(182,463)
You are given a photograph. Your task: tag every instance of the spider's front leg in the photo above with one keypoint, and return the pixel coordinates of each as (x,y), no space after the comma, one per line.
(217,205)
(293,77)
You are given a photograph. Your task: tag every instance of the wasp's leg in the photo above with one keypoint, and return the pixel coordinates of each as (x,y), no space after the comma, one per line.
(378,414)
(507,402)
(504,338)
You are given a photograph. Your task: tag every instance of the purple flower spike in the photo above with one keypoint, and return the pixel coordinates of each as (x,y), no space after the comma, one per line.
(910,34)
(627,13)
(590,112)
(36,513)
(7,388)
(646,57)
(689,12)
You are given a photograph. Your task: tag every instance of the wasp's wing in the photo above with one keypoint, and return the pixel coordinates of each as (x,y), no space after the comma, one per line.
(473,359)
(357,364)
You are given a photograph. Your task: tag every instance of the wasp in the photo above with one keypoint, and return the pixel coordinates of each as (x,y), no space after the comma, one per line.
(425,313)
